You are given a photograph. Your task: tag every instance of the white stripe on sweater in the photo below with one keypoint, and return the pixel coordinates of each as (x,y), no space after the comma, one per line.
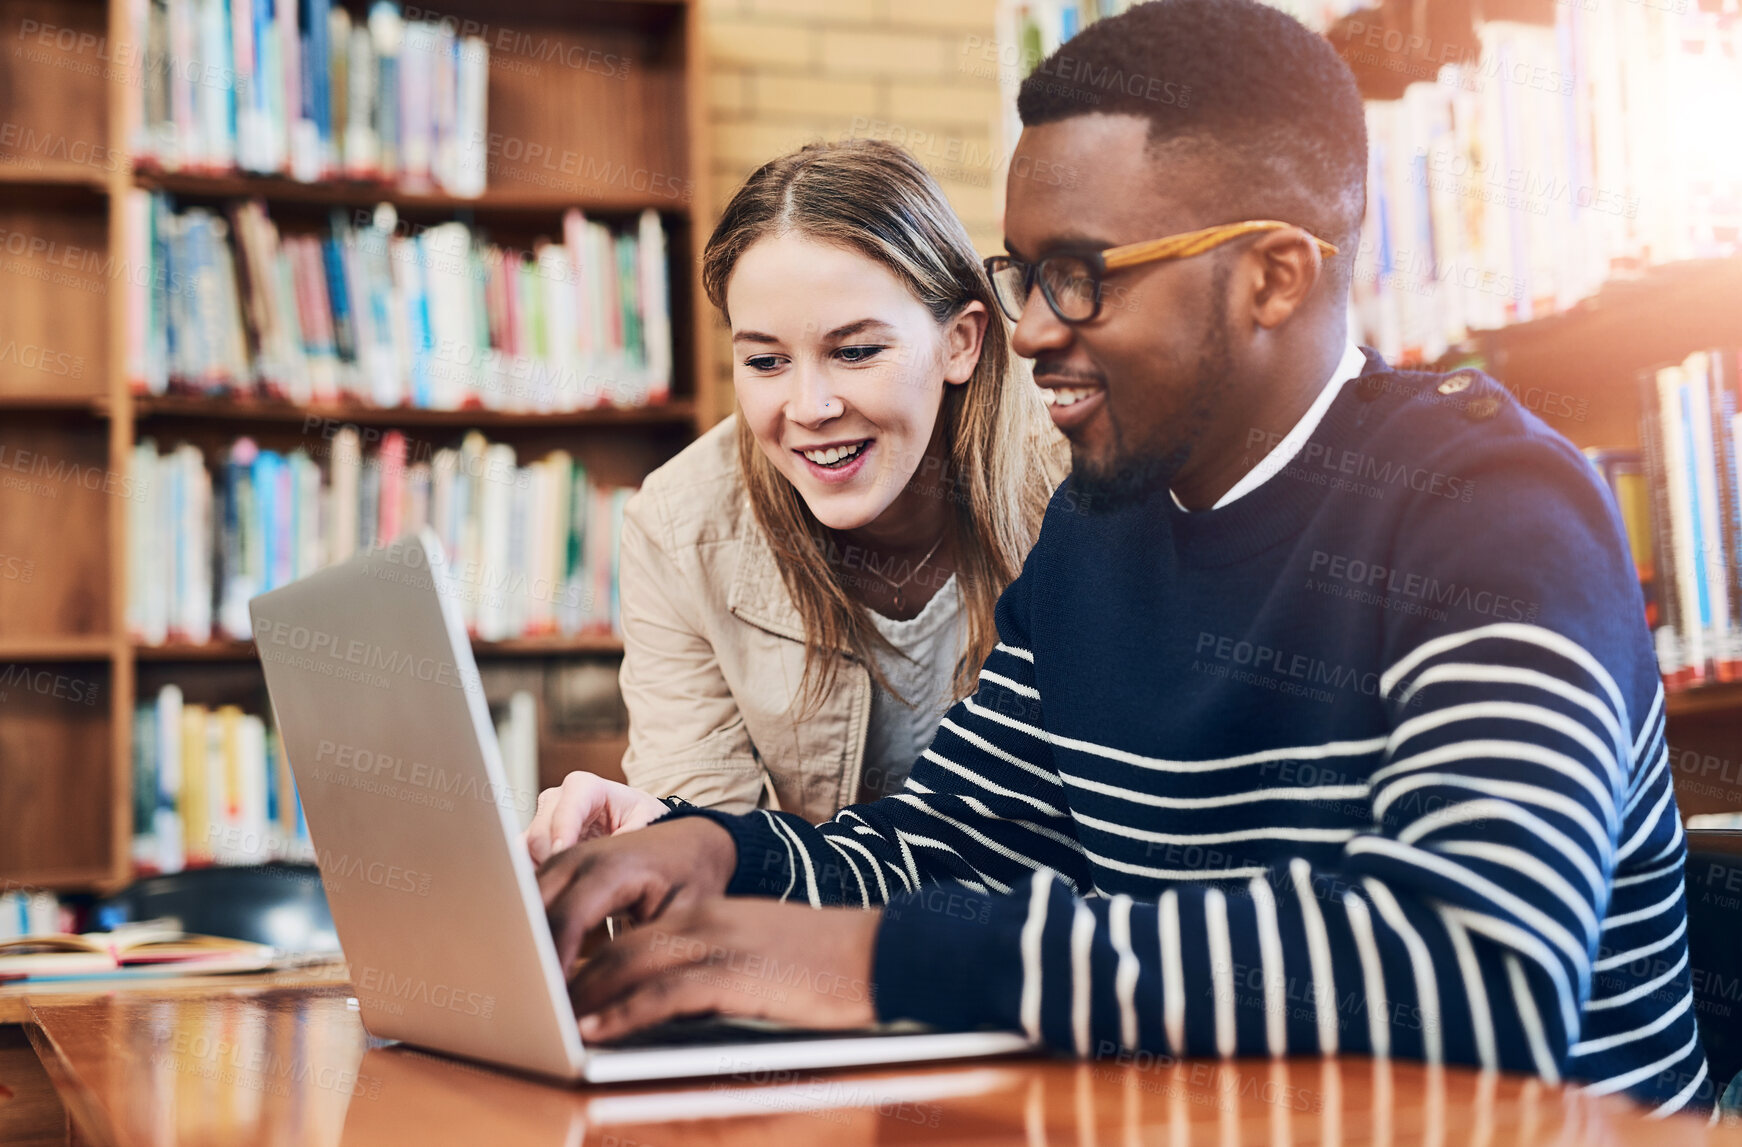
(1032,928)
(1645,913)
(1265,832)
(1521,861)
(1125,978)
(791,860)
(1531,1020)
(1492,808)
(1622,959)
(1515,906)
(966,773)
(1082,944)
(1490,748)
(1015,652)
(1467,671)
(1661,1021)
(1514,791)
(1308,793)
(1507,630)
(1173,976)
(1628,1078)
(1263,756)
(1518,711)
(1525,943)
(1015,687)
(876,866)
(1631,994)
(1273,968)
(1372,974)
(1194,874)
(1680,1100)
(992,750)
(1650,723)
(1646,782)
(1674,867)
(1040,830)
(1639,838)
(1476,992)
(1421,962)
(1318,954)
(969,831)
(853,865)
(1221,968)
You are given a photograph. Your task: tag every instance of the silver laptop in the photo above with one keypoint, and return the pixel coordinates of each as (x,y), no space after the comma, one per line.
(415,830)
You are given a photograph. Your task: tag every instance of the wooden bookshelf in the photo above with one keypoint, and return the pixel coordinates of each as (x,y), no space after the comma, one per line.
(626,142)
(579,644)
(236,413)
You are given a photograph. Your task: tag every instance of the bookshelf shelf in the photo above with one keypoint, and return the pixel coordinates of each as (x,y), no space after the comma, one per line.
(52,175)
(597,643)
(242,411)
(596,105)
(57,649)
(345,193)
(1635,322)
(1724,697)
(529,647)
(54,403)
(61,879)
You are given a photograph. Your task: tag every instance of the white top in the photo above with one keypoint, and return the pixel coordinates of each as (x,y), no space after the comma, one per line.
(1283,453)
(897,735)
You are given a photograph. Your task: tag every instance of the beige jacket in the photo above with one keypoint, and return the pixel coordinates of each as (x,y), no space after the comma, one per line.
(714,653)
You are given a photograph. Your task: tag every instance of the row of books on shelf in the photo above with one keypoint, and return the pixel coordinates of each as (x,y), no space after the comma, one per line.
(1680,498)
(212,785)
(1512,185)
(373,312)
(530,549)
(298,88)
(1691,437)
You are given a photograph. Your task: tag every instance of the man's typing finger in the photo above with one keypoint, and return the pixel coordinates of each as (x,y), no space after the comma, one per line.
(677,992)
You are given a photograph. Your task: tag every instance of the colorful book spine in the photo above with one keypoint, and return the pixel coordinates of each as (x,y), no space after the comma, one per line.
(297,88)
(441,320)
(1690,440)
(210,787)
(531,547)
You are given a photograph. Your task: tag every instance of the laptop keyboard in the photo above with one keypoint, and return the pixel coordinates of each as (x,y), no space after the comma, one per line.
(706,1031)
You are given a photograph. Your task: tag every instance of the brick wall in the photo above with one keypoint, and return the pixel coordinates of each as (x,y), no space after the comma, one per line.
(785,72)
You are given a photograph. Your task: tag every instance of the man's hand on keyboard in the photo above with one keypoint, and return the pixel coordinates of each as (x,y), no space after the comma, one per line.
(637,875)
(740,957)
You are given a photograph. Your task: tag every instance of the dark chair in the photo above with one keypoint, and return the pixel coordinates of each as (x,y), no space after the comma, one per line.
(1714,883)
(278,904)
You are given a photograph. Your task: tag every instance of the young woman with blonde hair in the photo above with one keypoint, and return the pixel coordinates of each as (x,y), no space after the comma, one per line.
(808,586)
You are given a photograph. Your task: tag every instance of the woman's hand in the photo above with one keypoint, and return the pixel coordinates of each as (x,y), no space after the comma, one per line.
(583,807)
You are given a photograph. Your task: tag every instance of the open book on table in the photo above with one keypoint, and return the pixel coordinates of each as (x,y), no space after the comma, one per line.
(150,948)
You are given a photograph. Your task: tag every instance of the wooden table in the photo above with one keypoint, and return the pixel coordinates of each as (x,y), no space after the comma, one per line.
(243,1064)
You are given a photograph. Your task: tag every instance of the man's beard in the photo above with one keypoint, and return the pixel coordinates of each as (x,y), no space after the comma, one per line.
(1139,471)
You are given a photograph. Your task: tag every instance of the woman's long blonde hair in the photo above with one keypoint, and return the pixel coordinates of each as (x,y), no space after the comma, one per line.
(873,198)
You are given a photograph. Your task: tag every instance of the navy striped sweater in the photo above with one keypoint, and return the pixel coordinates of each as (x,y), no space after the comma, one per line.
(1369,760)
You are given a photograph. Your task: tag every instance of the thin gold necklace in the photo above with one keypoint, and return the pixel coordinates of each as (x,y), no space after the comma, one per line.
(897,586)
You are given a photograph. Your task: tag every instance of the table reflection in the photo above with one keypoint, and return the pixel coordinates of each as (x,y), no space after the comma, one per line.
(295,1067)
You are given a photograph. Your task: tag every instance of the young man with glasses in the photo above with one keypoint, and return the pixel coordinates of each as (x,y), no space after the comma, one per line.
(1324,717)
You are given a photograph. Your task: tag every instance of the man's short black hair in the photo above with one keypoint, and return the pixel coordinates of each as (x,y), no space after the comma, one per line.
(1236,83)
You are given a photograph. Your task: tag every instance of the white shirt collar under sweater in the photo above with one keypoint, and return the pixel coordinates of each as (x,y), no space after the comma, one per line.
(1283,453)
